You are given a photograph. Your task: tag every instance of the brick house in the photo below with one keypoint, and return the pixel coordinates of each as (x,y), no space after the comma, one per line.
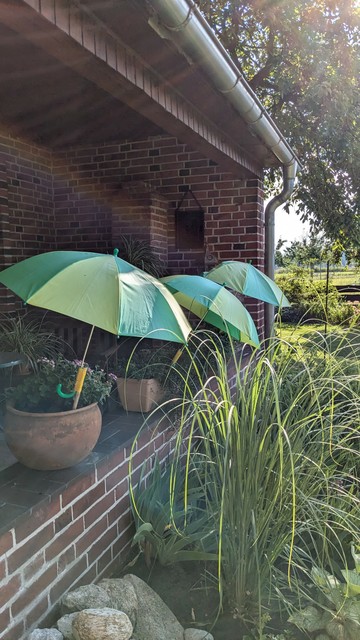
(119,117)
(110,112)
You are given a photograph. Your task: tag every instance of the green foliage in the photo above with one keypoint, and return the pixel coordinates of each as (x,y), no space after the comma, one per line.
(37,393)
(140,254)
(180,370)
(273,462)
(301,57)
(164,530)
(146,363)
(28,336)
(335,606)
(306,252)
(309,300)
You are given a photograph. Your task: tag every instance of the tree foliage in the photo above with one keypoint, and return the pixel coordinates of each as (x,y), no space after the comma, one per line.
(301,57)
(306,252)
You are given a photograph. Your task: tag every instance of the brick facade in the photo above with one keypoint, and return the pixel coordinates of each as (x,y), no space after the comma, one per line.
(85,198)
(75,535)
(80,529)
(26,204)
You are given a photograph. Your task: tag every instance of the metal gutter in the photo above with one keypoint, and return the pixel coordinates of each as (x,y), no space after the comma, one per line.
(181,22)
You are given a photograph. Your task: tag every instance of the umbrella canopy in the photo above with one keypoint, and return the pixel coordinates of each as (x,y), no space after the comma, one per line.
(213,304)
(102,290)
(248,280)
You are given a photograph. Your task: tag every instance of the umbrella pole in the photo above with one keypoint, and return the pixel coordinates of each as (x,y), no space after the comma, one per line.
(81,372)
(87,345)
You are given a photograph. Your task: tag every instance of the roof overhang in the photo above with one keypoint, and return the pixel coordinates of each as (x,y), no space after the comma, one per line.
(93,71)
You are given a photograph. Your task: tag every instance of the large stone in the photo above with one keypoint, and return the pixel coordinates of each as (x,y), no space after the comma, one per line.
(102,624)
(154,620)
(64,625)
(46,634)
(122,595)
(197,634)
(86,597)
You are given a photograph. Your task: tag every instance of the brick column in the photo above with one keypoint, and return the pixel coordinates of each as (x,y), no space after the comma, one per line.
(140,212)
(6,298)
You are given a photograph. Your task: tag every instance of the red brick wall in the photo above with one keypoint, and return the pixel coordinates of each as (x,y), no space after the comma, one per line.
(83,198)
(97,176)
(81,209)
(121,182)
(26,203)
(75,537)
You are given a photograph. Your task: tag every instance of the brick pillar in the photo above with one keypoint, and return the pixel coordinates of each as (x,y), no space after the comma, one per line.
(234,230)
(6,298)
(140,212)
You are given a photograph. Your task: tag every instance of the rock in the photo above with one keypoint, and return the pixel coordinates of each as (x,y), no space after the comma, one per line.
(87,597)
(45,634)
(64,625)
(197,634)
(154,620)
(102,624)
(122,596)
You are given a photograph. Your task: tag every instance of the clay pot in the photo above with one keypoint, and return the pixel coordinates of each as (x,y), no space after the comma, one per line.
(48,441)
(139,395)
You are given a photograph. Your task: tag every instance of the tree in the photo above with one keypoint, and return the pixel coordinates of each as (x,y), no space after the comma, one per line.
(306,252)
(279,258)
(301,57)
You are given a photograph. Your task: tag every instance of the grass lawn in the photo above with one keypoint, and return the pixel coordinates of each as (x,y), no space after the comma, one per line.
(350,276)
(340,340)
(296,332)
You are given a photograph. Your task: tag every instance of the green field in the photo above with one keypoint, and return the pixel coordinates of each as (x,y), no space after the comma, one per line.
(348,275)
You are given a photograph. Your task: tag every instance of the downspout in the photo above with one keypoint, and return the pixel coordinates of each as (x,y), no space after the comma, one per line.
(181,22)
(289,176)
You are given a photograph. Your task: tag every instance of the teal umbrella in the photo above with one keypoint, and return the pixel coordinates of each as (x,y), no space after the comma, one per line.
(248,280)
(102,290)
(213,304)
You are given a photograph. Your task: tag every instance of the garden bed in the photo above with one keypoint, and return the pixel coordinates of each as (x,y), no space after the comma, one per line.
(192,595)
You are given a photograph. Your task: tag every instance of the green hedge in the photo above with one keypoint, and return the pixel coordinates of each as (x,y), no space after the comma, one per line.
(308,298)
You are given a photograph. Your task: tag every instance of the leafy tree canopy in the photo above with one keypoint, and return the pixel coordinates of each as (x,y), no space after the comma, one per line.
(302,58)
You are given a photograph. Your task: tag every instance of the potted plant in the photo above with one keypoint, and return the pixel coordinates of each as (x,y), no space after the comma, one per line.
(41,429)
(28,336)
(139,380)
(140,254)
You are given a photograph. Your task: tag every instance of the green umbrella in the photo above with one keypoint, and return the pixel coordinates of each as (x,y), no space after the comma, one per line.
(248,280)
(102,290)
(213,304)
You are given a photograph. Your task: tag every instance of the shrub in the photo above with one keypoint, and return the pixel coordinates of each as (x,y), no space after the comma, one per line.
(308,299)
(29,336)
(266,459)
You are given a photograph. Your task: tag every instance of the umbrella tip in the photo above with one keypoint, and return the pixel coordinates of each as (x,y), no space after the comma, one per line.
(116,252)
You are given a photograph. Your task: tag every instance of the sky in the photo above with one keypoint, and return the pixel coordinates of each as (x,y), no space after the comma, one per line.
(288,226)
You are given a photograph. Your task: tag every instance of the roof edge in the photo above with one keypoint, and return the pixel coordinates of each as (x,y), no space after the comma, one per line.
(182,22)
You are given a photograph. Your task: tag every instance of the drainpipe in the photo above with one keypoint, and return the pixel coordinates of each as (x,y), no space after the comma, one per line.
(181,22)
(289,176)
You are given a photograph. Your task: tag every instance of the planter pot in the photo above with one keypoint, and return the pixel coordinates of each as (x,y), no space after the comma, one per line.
(48,441)
(139,395)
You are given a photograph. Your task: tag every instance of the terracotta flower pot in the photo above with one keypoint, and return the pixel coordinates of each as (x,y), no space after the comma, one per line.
(48,441)
(139,395)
